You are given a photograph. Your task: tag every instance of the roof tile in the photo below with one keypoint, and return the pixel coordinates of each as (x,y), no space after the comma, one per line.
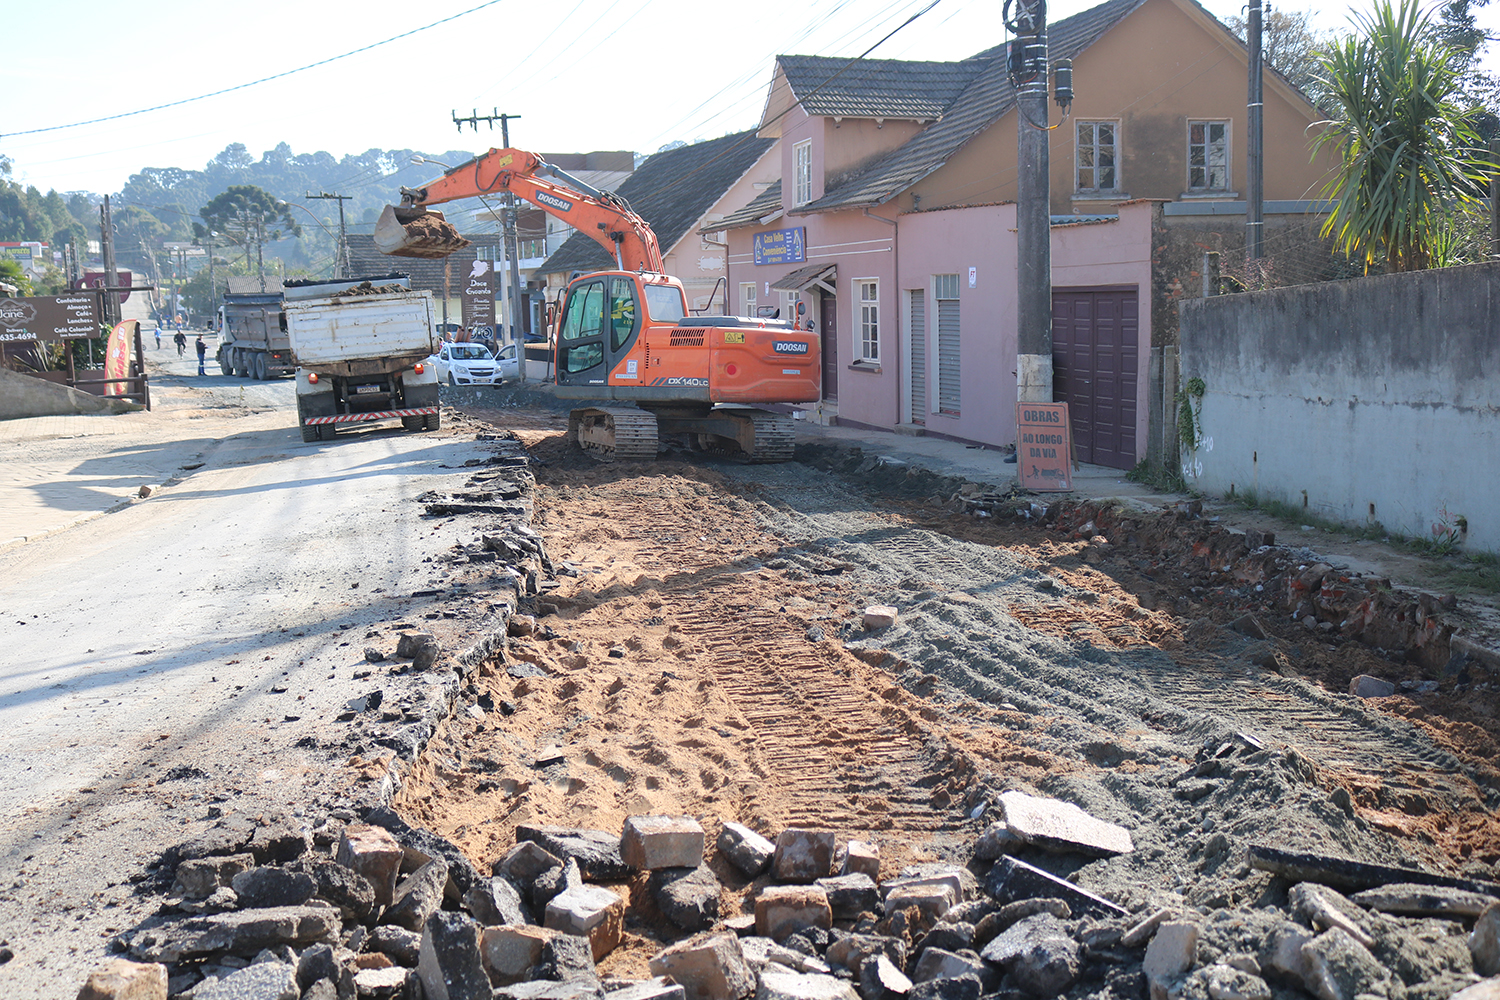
(671,191)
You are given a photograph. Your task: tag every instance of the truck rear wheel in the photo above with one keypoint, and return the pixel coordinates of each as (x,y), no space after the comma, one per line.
(414,423)
(327,431)
(309,433)
(258,367)
(434,421)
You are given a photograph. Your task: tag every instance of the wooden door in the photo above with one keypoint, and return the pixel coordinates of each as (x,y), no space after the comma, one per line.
(1095,362)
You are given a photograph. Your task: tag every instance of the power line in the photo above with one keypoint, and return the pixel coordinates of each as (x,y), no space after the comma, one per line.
(255,83)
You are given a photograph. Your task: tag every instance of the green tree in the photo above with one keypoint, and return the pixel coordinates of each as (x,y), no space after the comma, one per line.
(136,228)
(1406,145)
(12,274)
(247,214)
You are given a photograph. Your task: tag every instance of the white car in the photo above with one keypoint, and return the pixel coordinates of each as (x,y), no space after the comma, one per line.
(468,364)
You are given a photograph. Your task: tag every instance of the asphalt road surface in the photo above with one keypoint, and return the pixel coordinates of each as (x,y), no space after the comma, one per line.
(162,662)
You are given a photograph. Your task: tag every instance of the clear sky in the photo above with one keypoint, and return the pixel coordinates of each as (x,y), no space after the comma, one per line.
(582,74)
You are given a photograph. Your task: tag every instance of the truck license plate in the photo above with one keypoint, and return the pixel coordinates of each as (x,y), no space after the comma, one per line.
(360,390)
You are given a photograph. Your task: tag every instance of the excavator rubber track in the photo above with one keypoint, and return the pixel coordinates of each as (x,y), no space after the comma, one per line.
(611,433)
(775,436)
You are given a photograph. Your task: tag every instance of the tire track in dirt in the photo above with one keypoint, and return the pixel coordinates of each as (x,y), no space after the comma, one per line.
(844,762)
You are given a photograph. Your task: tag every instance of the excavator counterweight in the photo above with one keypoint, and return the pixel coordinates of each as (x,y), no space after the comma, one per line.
(416,232)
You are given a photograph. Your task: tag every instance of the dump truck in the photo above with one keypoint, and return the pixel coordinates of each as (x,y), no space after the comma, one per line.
(252,335)
(361,348)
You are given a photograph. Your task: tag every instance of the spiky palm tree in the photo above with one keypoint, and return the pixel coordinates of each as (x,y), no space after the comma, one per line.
(1407,145)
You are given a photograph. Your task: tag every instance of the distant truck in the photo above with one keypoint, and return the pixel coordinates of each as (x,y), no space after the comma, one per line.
(361,347)
(253,340)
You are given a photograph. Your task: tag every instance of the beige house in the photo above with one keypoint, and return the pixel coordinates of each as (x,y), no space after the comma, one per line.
(885,224)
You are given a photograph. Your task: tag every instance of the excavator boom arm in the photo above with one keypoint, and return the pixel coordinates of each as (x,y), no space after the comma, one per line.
(602,216)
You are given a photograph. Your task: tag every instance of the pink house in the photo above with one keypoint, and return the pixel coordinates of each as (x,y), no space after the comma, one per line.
(893,224)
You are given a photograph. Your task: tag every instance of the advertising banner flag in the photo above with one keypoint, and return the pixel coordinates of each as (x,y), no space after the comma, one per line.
(117,355)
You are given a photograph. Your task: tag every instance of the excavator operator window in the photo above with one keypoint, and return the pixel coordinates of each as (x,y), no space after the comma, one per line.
(664,302)
(583,328)
(622,312)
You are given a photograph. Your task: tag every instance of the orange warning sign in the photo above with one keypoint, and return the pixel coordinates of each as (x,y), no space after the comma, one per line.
(1044,447)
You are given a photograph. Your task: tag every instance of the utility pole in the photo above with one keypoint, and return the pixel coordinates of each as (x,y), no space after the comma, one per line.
(1495,196)
(341,259)
(1028,72)
(260,239)
(1255,150)
(111,274)
(512,244)
(172,288)
(213,289)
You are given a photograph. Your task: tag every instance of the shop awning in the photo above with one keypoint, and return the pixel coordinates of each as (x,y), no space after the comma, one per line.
(800,280)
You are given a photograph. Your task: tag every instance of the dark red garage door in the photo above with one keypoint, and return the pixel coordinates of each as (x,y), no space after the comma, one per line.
(1095,358)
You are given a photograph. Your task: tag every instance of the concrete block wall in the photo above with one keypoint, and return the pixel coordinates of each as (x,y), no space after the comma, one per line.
(1372,399)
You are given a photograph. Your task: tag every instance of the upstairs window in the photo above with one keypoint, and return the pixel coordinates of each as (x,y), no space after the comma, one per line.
(802,173)
(1098,154)
(1208,156)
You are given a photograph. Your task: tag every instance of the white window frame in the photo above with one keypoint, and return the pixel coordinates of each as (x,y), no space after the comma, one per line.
(747,298)
(789,302)
(1208,186)
(802,173)
(867,295)
(945,288)
(1078,148)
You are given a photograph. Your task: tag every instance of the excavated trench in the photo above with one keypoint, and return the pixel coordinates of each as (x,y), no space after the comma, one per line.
(702,652)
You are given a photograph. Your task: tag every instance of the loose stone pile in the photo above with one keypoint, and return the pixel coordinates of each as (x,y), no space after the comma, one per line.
(379,909)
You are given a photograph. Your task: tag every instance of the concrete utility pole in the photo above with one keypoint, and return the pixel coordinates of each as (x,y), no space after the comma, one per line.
(213,289)
(260,240)
(1495,196)
(341,259)
(111,274)
(512,243)
(1255,148)
(513,253)
(1033,207)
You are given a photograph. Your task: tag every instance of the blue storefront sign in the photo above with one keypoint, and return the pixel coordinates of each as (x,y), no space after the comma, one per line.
(781,246)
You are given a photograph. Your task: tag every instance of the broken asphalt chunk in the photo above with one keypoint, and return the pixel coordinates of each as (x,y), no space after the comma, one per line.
(1061,826)
(243,932)
(597,852)
(1012,879)
(1343,873)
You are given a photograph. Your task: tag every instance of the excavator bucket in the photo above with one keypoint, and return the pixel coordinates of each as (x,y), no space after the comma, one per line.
(416,232)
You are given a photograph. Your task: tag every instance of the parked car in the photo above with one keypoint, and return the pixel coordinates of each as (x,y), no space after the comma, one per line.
(466,364)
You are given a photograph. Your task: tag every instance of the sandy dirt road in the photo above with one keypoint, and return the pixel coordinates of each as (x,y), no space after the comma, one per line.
(185,655)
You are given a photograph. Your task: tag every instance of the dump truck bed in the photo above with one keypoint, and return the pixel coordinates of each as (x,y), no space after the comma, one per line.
(340,328)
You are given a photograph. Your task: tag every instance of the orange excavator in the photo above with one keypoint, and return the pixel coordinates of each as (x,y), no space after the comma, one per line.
(624,336)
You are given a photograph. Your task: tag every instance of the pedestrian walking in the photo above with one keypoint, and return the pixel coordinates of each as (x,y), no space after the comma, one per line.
(181,341)
(158,336)
(202,354)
